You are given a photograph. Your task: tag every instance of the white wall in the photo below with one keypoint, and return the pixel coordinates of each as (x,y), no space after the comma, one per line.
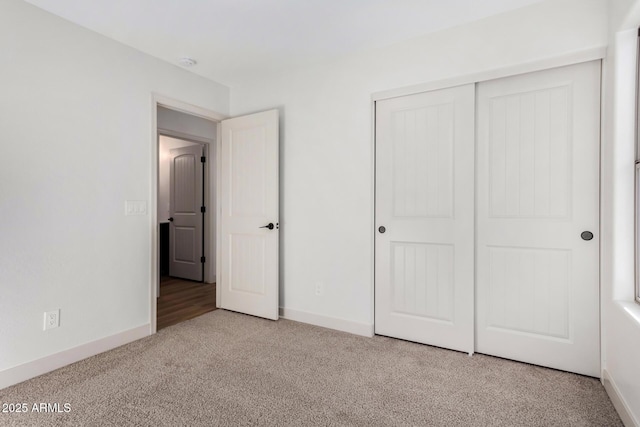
(75,130)
(620,314)
(327,147)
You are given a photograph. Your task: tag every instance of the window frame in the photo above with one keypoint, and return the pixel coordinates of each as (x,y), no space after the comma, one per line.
(637,179)
(637,231)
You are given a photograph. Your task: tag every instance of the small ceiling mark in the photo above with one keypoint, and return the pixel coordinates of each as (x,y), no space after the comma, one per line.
(187,62)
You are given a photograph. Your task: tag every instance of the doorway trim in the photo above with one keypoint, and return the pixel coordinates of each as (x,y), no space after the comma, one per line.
(158,100)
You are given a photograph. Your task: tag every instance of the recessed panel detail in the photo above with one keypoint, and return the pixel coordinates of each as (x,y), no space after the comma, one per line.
(183,249)
(423,141)
(422,282)
(530,154)
(247,163)
(247,263)
(529,290)
(184,190)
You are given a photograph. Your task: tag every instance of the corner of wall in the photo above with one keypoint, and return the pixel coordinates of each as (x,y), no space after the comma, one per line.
(618,400)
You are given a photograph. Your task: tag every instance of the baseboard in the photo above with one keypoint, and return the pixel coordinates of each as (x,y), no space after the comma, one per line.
(618,401)
(20,373)
(338,324)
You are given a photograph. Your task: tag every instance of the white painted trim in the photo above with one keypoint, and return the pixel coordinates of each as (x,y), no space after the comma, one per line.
(154,284)
(338,324)
(218,209)
(585,55)
(618,401)
(601,211)
(632,309)
(25,371)
(374,225)
(183,107)
(194,110)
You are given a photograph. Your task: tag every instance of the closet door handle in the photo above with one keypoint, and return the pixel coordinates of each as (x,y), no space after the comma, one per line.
(270,226)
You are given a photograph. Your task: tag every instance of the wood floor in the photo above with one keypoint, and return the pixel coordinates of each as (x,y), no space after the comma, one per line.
(182,300)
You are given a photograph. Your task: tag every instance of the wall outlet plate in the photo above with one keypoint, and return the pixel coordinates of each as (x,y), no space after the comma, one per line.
(135,207)
(51,319)
(319,289)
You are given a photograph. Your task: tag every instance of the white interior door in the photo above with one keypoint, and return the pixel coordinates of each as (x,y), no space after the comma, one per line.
(185,235)
(538,191)
(248,273)
(424,262)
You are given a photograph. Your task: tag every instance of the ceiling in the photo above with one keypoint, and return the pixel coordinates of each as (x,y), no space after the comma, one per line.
(234,39)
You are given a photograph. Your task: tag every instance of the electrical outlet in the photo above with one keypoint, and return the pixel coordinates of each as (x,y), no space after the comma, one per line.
(319,289)
(51,319)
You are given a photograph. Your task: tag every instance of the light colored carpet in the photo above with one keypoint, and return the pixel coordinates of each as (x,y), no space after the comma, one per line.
(225,368)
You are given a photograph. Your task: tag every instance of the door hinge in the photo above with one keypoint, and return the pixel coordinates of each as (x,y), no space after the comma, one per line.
(203,159)
(203,209)
(202,259)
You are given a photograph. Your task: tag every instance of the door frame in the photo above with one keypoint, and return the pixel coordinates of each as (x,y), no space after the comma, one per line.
(158,100)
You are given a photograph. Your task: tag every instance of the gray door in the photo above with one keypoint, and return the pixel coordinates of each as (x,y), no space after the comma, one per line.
(186,248)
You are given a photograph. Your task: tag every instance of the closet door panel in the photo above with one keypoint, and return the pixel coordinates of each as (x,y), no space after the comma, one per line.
(538,191)
(424,201)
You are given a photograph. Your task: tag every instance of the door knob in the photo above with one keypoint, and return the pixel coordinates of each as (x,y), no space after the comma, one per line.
(270,226)
(586,235)
(381,229)
(171,219)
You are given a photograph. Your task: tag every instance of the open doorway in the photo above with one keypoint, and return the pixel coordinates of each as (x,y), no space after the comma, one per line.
(244,150)
(186,219)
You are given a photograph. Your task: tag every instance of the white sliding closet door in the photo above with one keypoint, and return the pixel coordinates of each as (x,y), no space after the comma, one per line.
(537,204)
(424,270)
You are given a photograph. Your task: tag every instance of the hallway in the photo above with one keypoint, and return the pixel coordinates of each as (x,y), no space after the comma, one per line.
(182,300)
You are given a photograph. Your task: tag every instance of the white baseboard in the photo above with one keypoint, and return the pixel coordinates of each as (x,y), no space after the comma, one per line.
(338,324)
(20,373)
(618,401)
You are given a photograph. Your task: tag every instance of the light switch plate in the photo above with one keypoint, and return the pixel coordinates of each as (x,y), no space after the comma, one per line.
(135,207)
